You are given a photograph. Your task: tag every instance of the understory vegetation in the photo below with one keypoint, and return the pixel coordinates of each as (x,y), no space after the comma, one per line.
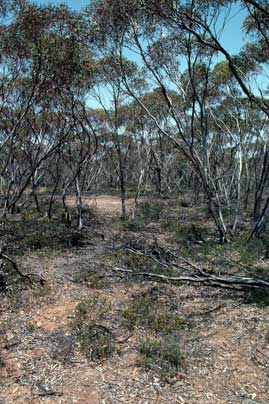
(115,313)
(134,202)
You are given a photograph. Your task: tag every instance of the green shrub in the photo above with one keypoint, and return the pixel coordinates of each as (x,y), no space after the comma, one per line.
(142,263)
(96,341)
(137,314)
(130,224)
(163,357)
(150,210)
(90,310)
(251,251)
(135,261)
(167,322)
(259,296)
(134,225)
(146,313)
(15,296)
(185,232)
(39,234)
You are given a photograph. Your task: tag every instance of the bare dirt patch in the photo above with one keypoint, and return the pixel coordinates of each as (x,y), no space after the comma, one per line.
(104,204)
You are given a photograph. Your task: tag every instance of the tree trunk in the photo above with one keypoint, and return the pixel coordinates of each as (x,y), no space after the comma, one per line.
(79,204)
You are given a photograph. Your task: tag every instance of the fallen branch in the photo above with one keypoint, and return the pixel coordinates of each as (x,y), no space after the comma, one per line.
(171,265)
(209,280)
(198,276)
(16,267)
(49,394)
(205,313)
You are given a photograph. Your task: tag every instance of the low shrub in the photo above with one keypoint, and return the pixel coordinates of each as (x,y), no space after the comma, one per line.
(150,210)
(96,341)
(163,357)
(259,297)
(145,312)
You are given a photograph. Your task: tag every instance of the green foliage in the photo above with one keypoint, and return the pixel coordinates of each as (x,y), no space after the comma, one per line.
(163,357)
(37,234)
(40,291)
(167,322)
(30,328)
(150,210)
(89,213)
(146,312)
(140,263)
(2,362)
(90,310)
(110,69)
(95,340)
(15,296)
(147,212)
(54,29)
(185,232)
(137,314)
(184,204)
(252,250)
(258,21)
(134,225)
(18,294)
(259,296)
(222,72)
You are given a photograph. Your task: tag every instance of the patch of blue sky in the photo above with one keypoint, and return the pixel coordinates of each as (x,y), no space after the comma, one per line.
(74,4)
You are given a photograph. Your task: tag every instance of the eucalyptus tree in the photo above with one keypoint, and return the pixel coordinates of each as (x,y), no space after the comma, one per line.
(47,70)
(184,91)
(177,43)
(159,158)
(257,26)
(110,94)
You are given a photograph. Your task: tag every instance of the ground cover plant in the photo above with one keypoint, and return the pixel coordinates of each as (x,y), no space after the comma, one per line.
(134,202)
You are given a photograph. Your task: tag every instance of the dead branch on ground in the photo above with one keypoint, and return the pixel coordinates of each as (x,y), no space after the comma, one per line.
(198,275)
(25,277)
(208,280)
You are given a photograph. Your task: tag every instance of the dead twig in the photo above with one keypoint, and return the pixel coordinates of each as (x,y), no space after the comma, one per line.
(49,394)
(124,340)
(16,268)
(12,262)
(205,313)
